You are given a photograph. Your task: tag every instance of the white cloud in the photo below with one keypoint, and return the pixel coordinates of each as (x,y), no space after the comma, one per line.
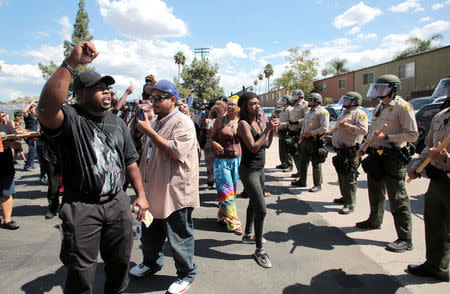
(425,19)
(362,36)
(15,77)
(358,14)
(276,42)
(354,30)
(46,53)
(66,28)
(406,6)
(438,6)
(142,19)
(39,35)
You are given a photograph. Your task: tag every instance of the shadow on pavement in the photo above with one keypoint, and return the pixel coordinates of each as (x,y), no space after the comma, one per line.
(205,248)
(45,284)
(31,194)
(290,205)
(29,210)
(338,281)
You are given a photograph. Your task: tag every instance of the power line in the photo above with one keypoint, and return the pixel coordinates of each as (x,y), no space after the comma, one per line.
(202,51)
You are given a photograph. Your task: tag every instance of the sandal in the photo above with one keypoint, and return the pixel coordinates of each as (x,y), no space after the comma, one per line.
(238,231)
(262,259)
(12,225)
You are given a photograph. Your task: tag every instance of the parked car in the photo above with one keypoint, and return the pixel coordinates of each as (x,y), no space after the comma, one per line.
(423,119)
(439,100)
(418,103)
(269,110)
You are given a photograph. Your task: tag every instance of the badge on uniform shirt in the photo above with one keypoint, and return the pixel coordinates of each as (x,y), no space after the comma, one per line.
(362,117)
(391,109)
(407,107)
(325,113)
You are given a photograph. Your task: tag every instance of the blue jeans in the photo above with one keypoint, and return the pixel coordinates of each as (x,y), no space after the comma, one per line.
(31,156)
(178,228)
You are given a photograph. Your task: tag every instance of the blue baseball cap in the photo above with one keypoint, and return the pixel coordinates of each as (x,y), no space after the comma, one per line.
(165,86)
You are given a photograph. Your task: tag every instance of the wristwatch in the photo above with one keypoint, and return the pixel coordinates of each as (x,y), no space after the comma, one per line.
(69,68)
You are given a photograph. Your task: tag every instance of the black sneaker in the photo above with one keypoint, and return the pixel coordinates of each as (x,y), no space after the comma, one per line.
(315,189)
(298,183)
(296,175)
(280,166)
(347,209)
(367,225)
(50,215)
(339,200)
(399,246)
(421,270)
(287,169)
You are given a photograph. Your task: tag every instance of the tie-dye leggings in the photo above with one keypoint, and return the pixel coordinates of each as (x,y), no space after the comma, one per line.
(227,177)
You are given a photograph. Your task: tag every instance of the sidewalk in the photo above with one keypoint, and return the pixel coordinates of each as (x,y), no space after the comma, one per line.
(372,243)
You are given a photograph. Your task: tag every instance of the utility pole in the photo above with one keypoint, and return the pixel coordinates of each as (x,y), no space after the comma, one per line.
(201,51)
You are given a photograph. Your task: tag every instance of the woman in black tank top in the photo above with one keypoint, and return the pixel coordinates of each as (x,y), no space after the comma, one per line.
(254,140)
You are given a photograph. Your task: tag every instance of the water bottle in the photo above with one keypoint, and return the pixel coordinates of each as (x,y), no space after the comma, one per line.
(136,227)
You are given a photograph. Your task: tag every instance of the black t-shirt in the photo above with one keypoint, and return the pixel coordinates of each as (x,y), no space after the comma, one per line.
(253,160)
(30,122)
(6,157)
(95,151)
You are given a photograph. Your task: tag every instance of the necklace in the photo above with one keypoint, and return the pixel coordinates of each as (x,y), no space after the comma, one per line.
(232,124)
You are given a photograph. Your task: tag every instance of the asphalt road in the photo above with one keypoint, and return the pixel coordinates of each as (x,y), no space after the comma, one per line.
(313,249)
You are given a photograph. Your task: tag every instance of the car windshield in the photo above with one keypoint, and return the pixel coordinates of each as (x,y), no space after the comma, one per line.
(419,103)
(268,109)
(441,89)
(368,112)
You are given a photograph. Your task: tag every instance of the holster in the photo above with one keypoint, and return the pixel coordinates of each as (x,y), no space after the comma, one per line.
(373,164)
(341,163)
(434,172)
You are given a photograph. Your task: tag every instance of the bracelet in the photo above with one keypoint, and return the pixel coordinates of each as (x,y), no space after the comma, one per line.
(68,67)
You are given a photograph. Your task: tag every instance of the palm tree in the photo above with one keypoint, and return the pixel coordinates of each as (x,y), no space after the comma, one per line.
(180,59)
(255,82)
(260,78)
(336,67)
(268,72)
(418,46)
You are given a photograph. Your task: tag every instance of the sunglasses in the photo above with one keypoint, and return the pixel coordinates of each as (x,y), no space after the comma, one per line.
(157,98)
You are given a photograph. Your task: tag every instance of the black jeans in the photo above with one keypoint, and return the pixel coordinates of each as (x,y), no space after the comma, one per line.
(92,227)
(253,180)
(54,173)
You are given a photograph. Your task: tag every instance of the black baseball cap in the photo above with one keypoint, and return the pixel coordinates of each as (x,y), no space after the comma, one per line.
(89,78)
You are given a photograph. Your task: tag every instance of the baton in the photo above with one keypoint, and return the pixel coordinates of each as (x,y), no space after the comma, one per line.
(306,130)
(428,160)
(332,130)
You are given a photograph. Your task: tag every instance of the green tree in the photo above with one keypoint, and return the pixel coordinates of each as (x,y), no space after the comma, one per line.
(336,67)
(80,33)
(255,82)
(418,46)
(180,59)
(268,72)
(202,78)
(300,71)
(260,78)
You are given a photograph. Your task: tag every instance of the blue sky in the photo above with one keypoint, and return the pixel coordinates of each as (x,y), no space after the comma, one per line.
(139,37)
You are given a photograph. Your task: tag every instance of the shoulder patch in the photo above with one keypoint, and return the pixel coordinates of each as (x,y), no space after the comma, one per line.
(391,109)
(325,113)
(362,117)
(407,107)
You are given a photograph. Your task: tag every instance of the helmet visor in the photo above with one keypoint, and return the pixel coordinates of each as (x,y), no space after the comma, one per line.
(346,100)
(282,102)
(442,89)
(378,90)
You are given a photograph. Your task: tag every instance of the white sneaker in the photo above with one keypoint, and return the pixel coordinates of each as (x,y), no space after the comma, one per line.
(179,286)
(142,270)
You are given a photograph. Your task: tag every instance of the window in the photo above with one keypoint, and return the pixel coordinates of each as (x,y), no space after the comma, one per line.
(279,94)
(368,78)
(273,96)
(342,83)
(406,70)
(323,87)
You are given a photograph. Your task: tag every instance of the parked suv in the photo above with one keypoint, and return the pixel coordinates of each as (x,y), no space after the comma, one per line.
(423,119)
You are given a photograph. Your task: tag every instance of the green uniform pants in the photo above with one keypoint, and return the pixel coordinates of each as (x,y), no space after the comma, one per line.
(307,151)
(437,224)
(348,184)
(392,182)
(285,157)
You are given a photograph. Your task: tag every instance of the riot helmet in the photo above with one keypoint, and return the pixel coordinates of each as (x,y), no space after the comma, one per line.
(384,86)
(297,94)
(284,101)
(315,96)
(350,99)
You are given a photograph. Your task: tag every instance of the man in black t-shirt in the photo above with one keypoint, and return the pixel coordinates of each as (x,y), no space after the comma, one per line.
(97,155)
(7,171)
(30,119)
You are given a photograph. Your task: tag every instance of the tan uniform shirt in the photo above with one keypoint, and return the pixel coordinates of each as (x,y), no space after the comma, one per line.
(439,131)
(171,184)
(401,123)
(284,117)
(319,120)
(355,129)
(297,113)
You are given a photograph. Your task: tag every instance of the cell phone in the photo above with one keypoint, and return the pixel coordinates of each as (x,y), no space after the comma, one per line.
(140,114)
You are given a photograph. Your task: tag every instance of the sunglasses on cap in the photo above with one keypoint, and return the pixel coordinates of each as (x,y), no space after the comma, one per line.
(157,98)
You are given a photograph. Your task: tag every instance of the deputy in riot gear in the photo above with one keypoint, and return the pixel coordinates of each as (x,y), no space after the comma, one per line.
(352,127)
(285,157)
(314,125)
(298,113)
(386,164)
(437,203)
